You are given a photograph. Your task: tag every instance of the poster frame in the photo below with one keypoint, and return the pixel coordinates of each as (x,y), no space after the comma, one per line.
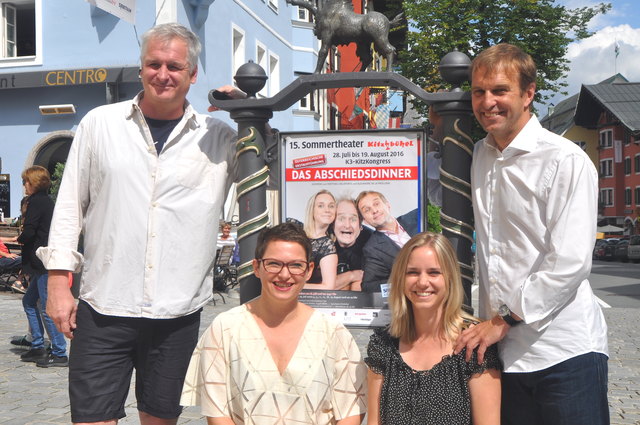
(355,309)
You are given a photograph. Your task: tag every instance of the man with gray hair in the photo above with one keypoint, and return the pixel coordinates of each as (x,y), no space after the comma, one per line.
(145,181)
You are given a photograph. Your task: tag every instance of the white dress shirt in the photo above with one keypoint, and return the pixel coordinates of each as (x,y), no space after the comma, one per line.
(149,221)
(535,208)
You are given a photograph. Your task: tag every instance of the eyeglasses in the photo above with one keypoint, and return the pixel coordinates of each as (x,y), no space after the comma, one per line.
(23,181)
(295,268)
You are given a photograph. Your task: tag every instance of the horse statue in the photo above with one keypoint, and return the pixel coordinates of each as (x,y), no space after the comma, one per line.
(337,24)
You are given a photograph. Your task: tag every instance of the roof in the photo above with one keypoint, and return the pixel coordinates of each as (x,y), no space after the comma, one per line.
(560,118)
(622,100)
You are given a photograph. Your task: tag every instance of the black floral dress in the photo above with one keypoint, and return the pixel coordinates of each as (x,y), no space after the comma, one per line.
(439,396)
(320,248)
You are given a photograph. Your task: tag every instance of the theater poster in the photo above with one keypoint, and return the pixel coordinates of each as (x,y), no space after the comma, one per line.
(346,163)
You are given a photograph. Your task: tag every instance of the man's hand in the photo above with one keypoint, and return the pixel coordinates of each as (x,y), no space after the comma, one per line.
(9,255)
(482,336)
(61,306)
(228,91)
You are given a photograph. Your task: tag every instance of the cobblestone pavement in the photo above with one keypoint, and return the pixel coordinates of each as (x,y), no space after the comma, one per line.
(32,395)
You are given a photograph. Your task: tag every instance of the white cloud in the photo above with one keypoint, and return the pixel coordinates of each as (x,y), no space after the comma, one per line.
(593,59)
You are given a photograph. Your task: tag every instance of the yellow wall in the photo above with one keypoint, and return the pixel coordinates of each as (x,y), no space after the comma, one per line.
(576,134)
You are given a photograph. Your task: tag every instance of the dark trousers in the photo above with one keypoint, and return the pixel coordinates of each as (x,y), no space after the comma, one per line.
(573,392)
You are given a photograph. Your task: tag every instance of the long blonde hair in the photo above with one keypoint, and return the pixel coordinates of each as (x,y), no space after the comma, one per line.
(309,221)
(402,320)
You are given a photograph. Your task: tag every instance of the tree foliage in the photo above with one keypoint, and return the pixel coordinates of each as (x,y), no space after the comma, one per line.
(433,219)
(56,179)
(541,27)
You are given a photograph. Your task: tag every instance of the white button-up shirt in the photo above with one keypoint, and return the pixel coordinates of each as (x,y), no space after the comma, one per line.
(149,221)
(535,208)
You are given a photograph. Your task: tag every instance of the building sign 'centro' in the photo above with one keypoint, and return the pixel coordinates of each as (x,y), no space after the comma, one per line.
(76,76)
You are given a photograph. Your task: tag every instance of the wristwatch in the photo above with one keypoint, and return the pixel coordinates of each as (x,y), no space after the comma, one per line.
(505,313)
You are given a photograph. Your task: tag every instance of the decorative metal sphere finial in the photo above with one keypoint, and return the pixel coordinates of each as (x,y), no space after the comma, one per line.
(454,68)
(250,78)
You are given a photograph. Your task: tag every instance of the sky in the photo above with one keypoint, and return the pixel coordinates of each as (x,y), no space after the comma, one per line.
(593,59)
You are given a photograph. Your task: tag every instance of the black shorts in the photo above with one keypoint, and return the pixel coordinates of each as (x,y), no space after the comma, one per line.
(106,349)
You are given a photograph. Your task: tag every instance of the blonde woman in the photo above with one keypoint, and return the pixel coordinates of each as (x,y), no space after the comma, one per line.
(414,376)
(319,217)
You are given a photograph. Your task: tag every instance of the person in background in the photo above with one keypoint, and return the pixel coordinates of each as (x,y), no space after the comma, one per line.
(319,217)
(534,253)
(225,237)
(146,268)
(276,360)
(414,376)
(350,239)
(35,233)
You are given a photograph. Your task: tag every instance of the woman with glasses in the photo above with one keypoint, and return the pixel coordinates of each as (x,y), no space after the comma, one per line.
(414,376)
(275,360)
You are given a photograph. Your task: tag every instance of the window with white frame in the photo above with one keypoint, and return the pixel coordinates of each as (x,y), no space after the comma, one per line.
(261,59)
(627,197)
(606,168)
(304,15)
(606,138)
(637,195)
(582,145)
(627,165)
(274,74)
(606,197)
(237,58)
(19,28)
(636,161)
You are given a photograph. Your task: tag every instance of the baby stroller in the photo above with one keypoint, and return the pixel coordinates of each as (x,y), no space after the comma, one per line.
(224,272)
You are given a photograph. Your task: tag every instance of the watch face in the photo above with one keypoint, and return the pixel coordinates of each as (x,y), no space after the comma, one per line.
(504,310)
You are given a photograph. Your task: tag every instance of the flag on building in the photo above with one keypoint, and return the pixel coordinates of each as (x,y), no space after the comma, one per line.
(357,109)
(617,48)
(382,116)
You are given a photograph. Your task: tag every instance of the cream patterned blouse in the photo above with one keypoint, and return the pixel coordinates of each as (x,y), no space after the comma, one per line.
(232,374)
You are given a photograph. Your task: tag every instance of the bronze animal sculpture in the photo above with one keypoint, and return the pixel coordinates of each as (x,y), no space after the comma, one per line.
(336,23)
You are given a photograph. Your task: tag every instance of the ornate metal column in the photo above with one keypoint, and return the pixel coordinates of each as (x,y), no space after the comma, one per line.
(252,174)
(456,215)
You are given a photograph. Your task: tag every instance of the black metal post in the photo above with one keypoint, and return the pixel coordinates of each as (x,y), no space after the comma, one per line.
(456,215)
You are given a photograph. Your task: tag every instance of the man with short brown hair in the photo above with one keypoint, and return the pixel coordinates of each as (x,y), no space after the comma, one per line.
(535,197)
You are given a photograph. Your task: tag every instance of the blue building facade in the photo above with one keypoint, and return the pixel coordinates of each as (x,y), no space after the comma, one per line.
(61,58)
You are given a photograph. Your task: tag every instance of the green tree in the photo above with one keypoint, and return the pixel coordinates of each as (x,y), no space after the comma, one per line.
(433,218)
(541,27)
(56,179)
